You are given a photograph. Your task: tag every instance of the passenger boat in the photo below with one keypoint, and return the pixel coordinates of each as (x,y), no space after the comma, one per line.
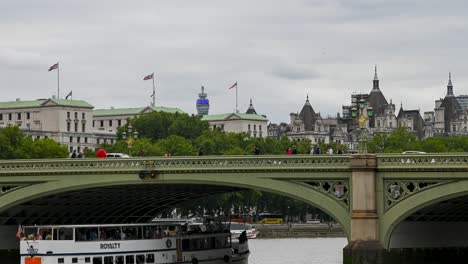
(154,243)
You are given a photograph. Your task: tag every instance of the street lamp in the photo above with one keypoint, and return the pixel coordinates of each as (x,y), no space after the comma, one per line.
(132,135)
(362,112)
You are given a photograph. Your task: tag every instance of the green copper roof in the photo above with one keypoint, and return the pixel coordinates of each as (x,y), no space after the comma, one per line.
(234,116)
(40,102)
(167,109)
(134,111)
(75,103)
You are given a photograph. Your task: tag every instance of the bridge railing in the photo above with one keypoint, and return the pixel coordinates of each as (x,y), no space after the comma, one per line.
(428,161)
(334,162)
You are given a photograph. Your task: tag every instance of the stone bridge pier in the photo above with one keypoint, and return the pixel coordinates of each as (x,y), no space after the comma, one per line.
(429,228)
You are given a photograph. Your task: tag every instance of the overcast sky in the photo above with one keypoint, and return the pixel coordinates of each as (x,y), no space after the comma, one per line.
(278,51)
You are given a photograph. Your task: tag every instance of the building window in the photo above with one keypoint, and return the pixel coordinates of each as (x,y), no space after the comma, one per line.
(76,127)
(28,115)
(222,127)
(119,122)
(60,260)
(71,140)
(74,260)
(112,141)
(85,140)
(87,260)
(1,116)
(255,127)
(68,126)
(248,127)
(76,115)
(102,123)
(78,139)
(98,141)
(38,137)
(10,116)
(83,116)
(19,116)
(68,114)
(83,127)
(79,149)
(110,123)
(71,149)
(93,123)
(260,127)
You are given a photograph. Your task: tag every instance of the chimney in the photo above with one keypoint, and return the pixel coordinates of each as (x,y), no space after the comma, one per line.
(18,99)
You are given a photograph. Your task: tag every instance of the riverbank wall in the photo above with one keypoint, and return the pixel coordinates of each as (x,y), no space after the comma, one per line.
(298,230)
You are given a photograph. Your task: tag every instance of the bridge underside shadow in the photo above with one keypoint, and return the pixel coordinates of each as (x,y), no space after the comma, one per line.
(107,205)
(443,224)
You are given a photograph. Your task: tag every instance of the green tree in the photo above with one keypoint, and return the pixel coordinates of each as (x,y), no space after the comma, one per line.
(177,146)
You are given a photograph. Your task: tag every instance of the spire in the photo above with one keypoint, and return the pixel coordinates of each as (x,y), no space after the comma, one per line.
(376,80)
(307,99)
(449,85)
(251,109)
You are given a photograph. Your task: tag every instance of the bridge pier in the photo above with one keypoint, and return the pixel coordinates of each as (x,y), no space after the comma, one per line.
(364,245)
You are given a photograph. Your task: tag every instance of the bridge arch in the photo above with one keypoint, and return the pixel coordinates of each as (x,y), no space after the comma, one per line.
(392,220)
(271,182)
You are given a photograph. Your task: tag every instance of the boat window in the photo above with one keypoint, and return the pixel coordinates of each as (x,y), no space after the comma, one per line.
(152,232)
(119,260)
(110,233)
(45,233)
(131,232)
(74,260)
(186,245)
(140,259)
(109,260)
(86,234)
(64,233)
(97,260)
(87,260)
(60,260)
(149,258)
(130,259)
(30,232)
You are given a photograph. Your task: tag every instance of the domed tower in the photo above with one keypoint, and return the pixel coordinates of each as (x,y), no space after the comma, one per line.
(203,104)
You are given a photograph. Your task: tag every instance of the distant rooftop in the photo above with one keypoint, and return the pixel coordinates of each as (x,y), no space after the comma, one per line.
(135,111)
(44,102)
(234,116)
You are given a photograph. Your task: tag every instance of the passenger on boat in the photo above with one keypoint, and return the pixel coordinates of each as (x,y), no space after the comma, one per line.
(122,236)
(103,235)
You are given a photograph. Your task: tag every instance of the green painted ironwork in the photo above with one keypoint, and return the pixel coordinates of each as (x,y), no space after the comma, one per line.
(398,190)
(405,183)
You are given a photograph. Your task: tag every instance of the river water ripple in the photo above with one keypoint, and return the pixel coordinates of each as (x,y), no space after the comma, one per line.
(297,251)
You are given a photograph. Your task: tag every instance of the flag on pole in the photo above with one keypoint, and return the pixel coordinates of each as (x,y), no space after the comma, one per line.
(234,85)
(68,95)
(152,95)
(19,233)
(53,67)
(148,77)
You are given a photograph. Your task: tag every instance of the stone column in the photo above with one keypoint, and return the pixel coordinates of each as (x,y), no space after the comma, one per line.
(364,245)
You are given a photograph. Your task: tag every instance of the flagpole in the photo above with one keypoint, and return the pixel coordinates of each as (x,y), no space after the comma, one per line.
(58,80)
(236,97)
(154,93)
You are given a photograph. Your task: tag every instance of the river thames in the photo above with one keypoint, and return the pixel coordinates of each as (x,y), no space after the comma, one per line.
(297,251)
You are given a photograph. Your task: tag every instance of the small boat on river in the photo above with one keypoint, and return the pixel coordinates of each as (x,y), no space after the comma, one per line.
(159,242)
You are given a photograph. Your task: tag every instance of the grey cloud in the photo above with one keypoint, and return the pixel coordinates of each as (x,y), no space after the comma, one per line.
(294,72)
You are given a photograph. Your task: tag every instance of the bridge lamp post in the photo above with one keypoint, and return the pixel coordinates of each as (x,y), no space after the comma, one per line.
(363,112)
(130,136)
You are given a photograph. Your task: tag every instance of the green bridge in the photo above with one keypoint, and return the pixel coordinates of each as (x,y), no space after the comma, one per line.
(385,203)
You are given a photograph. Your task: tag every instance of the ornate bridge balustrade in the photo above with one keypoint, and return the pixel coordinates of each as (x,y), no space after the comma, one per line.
(377,199)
